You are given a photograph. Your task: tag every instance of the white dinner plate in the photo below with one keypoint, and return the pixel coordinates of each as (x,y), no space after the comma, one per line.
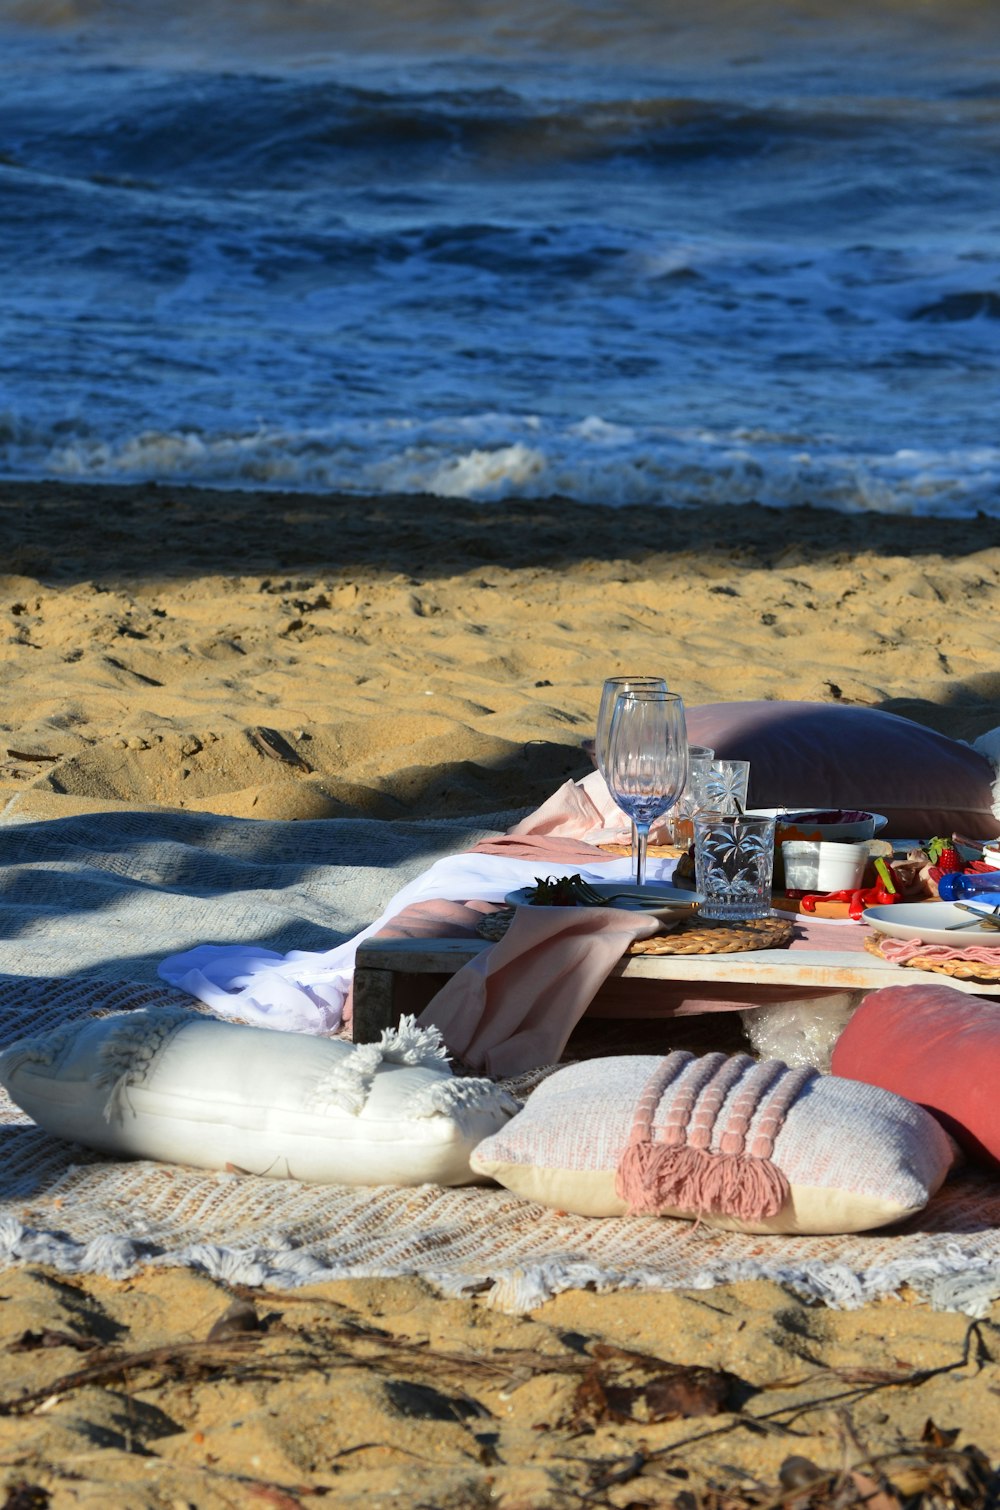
(929,921)
(659,898)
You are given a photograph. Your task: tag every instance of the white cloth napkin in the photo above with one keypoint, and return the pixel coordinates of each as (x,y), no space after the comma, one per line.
(304,992)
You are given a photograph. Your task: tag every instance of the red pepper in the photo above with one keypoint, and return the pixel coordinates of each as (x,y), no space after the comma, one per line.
(859,901)
(881,894)
(887,888)
(810,898)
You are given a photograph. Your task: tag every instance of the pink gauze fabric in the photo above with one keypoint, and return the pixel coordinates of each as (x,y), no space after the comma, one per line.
(678,1166)
(570,813)
(546,848)
(438,918)
(901,951)
(514,1006)
(539,999)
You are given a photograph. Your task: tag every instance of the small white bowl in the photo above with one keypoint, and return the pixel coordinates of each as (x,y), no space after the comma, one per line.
(822,865)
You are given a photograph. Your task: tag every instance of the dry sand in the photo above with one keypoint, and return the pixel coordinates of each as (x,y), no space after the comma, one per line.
(285,656)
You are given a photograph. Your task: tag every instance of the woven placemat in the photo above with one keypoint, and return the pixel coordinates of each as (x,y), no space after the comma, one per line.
(653,851)
(693,936)
(706,936)
(958,969)
(494,925)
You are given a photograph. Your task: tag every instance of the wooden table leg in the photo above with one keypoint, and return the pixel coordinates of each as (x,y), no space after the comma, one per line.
(375,1006)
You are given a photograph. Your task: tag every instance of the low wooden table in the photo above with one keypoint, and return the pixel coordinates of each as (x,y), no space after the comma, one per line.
(395,976)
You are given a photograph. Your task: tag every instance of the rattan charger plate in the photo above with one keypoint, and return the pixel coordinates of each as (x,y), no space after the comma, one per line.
(958,969)
(693,936)
(653,851)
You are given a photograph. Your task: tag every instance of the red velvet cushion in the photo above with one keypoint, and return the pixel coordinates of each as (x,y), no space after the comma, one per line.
(821,755)
(936,1046)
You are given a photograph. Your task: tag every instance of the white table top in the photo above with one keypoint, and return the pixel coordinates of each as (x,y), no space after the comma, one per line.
(848,969)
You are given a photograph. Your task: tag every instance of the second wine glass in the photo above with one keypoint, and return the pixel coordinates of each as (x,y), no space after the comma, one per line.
(614,687)
(647,761)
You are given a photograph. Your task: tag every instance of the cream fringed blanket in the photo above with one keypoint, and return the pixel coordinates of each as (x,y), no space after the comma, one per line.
(88,906)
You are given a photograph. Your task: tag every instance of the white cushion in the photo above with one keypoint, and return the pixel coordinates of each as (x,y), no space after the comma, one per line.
(851,1158)
(173,1085)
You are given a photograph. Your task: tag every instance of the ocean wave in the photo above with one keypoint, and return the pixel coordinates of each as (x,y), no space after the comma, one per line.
(491,457)
(240,249)
(235,132)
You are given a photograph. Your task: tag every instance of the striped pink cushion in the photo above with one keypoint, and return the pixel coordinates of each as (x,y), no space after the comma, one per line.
(751,1146)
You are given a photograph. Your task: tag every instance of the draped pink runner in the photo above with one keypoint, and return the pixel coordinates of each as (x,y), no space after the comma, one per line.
(444,919)
(514,1006)
(546,848)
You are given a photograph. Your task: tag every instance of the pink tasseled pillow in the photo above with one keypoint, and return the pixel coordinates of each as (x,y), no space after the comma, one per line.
(938,1046)
(822,755)
(746,1146)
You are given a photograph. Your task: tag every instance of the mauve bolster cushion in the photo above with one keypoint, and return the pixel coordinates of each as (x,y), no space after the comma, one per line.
(821,755)
(936,1046)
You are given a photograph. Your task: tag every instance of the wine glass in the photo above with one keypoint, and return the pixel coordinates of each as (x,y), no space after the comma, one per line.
(613,688)
(647,761)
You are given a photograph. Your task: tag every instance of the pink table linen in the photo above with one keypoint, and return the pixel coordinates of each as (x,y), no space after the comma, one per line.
(514,1006)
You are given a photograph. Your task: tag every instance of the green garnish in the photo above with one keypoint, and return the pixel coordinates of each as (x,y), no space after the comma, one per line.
(564,891)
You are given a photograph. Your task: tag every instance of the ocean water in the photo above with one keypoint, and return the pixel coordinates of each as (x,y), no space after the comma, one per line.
(658,252)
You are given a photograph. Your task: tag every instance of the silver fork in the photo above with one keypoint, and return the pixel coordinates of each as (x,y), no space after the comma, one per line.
(662,901)
(986,920)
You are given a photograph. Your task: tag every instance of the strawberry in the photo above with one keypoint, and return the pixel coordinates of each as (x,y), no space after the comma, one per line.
(949,860)
(944,857)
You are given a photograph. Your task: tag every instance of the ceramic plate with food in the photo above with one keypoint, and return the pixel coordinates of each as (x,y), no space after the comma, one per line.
(658,897)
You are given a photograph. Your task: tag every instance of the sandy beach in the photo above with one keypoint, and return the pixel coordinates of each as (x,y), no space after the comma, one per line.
(290,656)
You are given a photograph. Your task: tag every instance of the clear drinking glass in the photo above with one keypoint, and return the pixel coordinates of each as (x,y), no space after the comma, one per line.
(733,864)
(647,760)
(721,785)
(712,782)
(679,817)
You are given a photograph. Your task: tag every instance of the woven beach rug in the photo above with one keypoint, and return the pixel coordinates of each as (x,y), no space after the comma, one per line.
(87,908)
